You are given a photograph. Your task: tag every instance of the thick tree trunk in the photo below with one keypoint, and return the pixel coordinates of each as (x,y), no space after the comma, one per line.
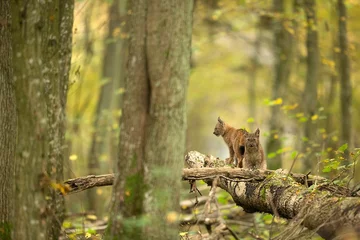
(42,54)
(345,81)
(283,45)
(310,91)
(153,124)
(168,45)
(8,124)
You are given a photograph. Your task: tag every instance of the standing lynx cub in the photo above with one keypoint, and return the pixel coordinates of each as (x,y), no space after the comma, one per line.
(233,139)
(254,153)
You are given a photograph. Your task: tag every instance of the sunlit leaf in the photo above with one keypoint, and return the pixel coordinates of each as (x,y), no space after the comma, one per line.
(343,147)
(171,217)
(91,217)
(67,224)
(314,117)
(250,120)
(271,155)
(119,91)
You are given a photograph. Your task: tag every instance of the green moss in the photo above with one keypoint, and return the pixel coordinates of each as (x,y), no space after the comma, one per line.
(5,230)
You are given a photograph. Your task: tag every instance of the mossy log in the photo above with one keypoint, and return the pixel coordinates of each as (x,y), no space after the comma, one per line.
(315,202)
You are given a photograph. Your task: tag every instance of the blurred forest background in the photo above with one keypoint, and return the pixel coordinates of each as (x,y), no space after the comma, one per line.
(250,65)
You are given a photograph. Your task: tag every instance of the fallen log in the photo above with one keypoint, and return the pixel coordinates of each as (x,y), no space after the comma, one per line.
(323,207)
(315,202)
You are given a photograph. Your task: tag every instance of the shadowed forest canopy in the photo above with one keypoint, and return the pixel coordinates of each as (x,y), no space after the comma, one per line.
(108,109)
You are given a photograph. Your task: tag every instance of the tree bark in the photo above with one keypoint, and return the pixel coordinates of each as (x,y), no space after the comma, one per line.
(8,124)
(103,114)
(318,208)
(252,74)
(129,171)
(83,183)
(283,44)
(315,202)
(42,35)
(345,78)
(310,91)
(168,42)
(152,129)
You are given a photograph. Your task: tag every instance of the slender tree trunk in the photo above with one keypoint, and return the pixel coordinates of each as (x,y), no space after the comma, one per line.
(100,139)
(252,71)
(118,85)
(153,124)
(8,125)
(310,91)
(282,67)
(42,55)
(129,171)
(331,118)
(345,81)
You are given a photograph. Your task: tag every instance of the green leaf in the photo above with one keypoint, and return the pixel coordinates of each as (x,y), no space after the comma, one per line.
(294,154)
(303,119)
(267,218)
(343,147)
(250,120)
(272,155)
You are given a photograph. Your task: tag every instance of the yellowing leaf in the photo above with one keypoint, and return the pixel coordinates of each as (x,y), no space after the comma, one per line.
(91,217)
(63,188)
(116,32)
(87,235)
(314,117)
(171,217)
(278,101)
(99,191)
(119,91)
(183,207)
(67,224)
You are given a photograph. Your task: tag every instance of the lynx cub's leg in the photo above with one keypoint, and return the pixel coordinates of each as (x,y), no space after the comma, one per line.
(230,160)
(239,161)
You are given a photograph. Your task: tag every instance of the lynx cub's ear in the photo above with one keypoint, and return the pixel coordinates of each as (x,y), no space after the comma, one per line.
(220,121)
(257,132)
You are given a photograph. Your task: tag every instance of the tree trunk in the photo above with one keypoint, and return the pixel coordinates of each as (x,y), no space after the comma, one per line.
(42,54)
(252,71)
(283,42)
(100,139)
(169,27)
(345,81)
(129,171)
(153,124)
(310,91)
(8,125)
